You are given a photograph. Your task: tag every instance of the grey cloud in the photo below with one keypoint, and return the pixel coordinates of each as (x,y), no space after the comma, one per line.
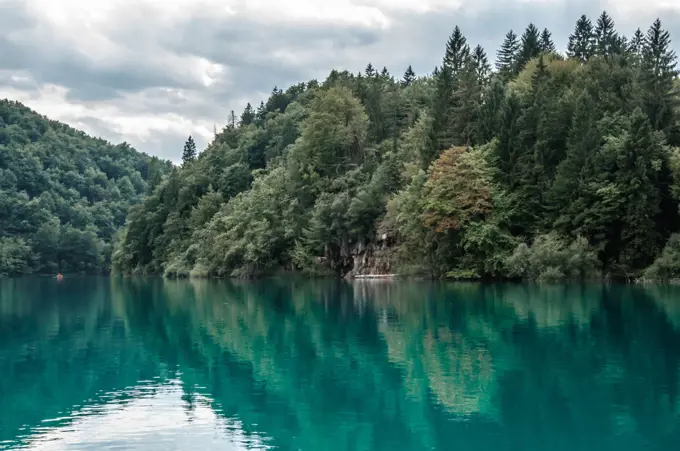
(151,79)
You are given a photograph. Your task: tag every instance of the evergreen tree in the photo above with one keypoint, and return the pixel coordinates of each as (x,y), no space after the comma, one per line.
(570,190)
(506,58)
(248,115)
(546,44)
(189,153)
(261,114)
(385,73)
(531,46)
(231,119)
(637,43)
(370,71)
(488,122)
(465,105)
(637,173)
(659,73)
(481,65)
(409,77)
(581,42)
(457,52)
(606,39)
(442,109)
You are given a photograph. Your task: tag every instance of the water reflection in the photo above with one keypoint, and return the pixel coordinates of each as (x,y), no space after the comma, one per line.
(331,365)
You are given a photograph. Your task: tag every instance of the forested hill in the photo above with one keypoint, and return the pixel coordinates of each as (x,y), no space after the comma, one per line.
(549,165)
(63,194)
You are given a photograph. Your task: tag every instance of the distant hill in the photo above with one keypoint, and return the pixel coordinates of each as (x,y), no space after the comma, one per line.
(63,194)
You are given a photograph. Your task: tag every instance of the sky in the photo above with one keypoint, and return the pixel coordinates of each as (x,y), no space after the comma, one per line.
(153,72)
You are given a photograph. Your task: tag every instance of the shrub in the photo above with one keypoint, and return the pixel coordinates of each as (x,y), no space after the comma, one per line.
(553,258)
(667,266)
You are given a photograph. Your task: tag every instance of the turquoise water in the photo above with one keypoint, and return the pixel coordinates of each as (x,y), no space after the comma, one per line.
(103,364)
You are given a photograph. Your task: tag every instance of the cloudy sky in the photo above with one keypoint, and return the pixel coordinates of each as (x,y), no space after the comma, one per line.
(151,72)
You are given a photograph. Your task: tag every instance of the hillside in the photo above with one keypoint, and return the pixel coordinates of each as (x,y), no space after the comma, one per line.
(549,166)
(63,194)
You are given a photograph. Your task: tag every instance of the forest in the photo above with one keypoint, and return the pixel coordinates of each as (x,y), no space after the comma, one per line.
(63,194)
(532,163)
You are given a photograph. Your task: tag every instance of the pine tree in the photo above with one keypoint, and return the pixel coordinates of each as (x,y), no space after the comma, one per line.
(189,153)
(231,120)
(261,114)
(248,115)
(488,122)
(546,44)
(442,109)
(385,73)
(659,73)
(457,52)
(481,65)
(531,46)
(465,103)
(581,42)
(637,177)
(409,77)
(370,71)
(637,43)
(568,192)
(506,58)
(606,38)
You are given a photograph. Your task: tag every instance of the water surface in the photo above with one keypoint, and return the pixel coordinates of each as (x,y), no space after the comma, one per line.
(145,364)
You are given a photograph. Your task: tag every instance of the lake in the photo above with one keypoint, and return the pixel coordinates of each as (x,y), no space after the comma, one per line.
(148,364)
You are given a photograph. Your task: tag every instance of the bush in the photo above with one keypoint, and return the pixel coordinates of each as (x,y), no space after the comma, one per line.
(667,266)
(553,258)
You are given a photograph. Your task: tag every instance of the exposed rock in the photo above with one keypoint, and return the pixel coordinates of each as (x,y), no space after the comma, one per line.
(371,260)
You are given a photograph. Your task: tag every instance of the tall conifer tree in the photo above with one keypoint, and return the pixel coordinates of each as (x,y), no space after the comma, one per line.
(189,153)
(606,39)
(481,65)
(506,58)
(582,40)
(457,52)
(659,73)
(248,115)
(531,46)
(409,77)
(547,45)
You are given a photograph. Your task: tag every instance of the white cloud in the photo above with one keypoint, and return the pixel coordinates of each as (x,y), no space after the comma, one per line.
(154,71)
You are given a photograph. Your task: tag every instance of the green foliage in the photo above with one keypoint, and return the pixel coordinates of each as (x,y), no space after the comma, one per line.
(551,258)
(667,267)
(63,194)
(189,152)
(449,172)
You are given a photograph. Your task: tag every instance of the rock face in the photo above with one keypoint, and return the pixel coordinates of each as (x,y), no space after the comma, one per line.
(374,259)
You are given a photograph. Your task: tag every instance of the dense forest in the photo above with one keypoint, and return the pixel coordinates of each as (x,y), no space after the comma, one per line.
(549,165)
(63,194)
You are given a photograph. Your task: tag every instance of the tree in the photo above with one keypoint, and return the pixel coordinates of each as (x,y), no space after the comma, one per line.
(506,58)
(409,77)
(659,72)
(568,194)
(638,159)
(637,43)
(581,41)
(546,43)
(189,153)
(248,115)
(481,65)
(531,46)
(231,120)
(370,71)
(458,190)
(457,52)
(606,39)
